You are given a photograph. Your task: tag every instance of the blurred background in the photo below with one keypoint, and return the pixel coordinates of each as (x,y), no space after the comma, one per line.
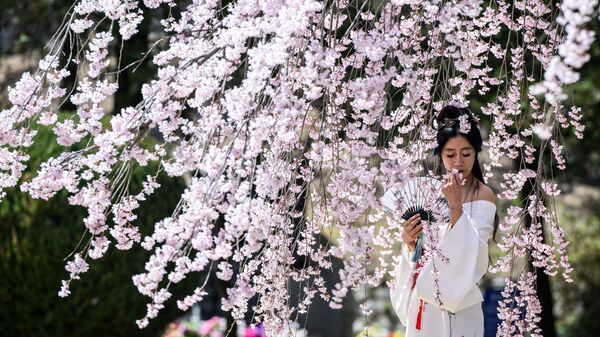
(36,236)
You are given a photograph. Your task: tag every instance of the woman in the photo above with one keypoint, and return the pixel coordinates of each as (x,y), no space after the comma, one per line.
(464,241)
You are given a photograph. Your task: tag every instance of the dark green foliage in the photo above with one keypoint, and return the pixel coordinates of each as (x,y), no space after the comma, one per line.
(579,307)
(584,155)
(583,295)
(36,236)
(27,25)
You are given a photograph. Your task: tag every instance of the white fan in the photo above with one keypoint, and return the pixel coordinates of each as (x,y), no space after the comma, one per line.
(421,195)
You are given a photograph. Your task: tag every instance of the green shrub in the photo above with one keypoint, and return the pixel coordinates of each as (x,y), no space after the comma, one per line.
(35,238)
(578,306)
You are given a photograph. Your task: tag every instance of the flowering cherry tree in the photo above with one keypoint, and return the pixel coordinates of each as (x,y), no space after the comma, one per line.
(273,104)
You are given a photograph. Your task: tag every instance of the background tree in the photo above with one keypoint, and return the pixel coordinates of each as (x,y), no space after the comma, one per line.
(36,237)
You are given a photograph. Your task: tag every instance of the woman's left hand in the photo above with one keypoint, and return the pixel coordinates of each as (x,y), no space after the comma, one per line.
(452,191)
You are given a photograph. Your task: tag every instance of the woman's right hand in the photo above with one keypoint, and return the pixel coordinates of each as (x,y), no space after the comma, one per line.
(412,228)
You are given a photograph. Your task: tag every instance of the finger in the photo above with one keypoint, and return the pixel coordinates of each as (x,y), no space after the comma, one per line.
(416,226)
(456,179)
(416,237)
(413,218)
(451,179)
(415,231)
(410,225)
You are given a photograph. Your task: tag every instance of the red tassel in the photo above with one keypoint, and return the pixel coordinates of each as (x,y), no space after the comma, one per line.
(420,314)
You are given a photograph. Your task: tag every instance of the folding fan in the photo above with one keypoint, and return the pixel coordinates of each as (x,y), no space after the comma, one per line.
(421,195)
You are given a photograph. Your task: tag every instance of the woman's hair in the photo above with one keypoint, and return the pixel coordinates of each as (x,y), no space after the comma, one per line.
(449,126)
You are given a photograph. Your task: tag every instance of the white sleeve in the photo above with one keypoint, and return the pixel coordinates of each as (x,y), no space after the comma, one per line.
(401,291)
(465,245)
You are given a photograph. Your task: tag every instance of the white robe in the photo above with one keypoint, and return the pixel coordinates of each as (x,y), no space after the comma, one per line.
(466,246)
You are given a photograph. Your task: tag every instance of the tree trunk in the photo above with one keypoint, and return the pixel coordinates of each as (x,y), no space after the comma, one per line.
(543,287)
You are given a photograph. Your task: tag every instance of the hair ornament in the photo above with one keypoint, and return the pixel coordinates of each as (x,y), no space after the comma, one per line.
(464,123)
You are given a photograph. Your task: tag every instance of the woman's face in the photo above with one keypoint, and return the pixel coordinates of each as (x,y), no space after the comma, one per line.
(458,154)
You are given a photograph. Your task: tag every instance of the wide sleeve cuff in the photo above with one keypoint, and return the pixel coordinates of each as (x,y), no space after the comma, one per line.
(402,287)
(467,253)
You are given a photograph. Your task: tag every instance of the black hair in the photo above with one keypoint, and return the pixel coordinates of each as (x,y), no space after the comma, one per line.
(448,126)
